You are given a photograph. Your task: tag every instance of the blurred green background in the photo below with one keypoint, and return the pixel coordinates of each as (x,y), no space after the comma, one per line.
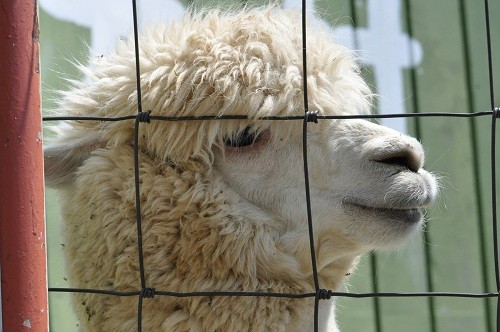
(446,72)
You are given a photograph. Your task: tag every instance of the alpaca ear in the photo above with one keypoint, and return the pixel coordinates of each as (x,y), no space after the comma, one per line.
(62,159)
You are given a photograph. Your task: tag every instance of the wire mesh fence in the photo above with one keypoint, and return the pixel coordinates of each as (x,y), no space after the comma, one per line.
(142,118)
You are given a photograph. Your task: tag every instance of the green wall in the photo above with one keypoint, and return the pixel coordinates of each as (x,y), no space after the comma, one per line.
(454,253)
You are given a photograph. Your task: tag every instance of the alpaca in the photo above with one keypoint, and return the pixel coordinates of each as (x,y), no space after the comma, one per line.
(222,202)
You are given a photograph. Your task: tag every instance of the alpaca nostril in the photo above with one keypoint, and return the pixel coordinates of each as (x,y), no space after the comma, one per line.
(404,159)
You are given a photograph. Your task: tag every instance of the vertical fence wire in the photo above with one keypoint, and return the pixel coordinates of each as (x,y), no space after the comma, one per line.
(495,115)
(136,165)
(308,117)
(478,195)
(306,166)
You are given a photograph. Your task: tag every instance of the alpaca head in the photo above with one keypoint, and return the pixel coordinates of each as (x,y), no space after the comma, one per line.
(367,184)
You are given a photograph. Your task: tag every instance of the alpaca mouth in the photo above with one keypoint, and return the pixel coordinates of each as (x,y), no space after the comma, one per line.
(406,215)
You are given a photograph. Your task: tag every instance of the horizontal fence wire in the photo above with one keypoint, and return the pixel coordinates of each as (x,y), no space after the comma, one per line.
(270,118)
(283,295)
(319,294)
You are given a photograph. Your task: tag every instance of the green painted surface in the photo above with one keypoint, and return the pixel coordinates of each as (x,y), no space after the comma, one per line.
(452,77)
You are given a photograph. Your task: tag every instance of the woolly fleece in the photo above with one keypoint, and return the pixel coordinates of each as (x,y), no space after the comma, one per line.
(198,233)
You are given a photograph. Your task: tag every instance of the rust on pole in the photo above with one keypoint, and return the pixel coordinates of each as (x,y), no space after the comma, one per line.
(22,229)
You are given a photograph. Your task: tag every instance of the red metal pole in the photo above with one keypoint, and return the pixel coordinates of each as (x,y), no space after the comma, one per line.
(22,229)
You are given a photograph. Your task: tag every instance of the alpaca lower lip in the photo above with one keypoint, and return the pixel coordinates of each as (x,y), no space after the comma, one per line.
(405,215)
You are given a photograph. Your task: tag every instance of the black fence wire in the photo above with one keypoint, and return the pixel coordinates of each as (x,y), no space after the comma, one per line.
(309,116)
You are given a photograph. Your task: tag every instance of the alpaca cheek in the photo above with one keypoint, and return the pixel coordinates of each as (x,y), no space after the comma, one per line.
(272,179)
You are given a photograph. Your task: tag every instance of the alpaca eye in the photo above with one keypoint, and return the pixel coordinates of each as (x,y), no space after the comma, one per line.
(244,138)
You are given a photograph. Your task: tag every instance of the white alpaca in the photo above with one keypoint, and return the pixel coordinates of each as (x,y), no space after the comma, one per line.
(223,202)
